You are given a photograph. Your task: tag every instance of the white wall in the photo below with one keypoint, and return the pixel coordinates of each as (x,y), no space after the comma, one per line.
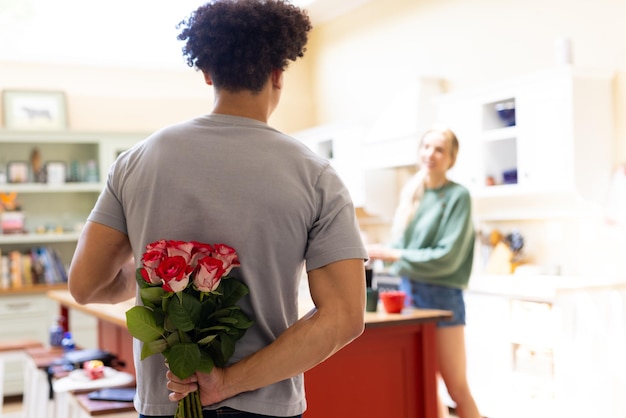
(134,99)
(365,58)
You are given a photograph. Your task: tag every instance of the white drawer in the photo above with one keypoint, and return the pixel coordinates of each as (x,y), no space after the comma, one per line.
(532,323)
(24,305)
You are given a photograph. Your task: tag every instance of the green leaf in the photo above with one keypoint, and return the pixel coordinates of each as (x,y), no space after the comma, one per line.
(215,350)
(222,312)
(243,321)
(236,333)
(214,328)
(142,324)
(227,320)
(168,325)
(139,278)
(173,339)
(233,290)
(153,347)
(145,352)
(207,340)
(152,296)
(184,311)
(227,347)
(184,359)
(206,363)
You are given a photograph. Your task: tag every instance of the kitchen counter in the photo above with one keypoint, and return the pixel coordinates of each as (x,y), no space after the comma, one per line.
(113,313)
(558,340)
(394,358)
(540,288)
(116,313)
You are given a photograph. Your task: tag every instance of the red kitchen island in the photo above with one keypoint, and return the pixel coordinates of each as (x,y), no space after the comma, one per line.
(389,371)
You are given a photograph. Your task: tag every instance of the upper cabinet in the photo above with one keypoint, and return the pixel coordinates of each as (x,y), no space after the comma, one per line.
(551,131)
(392,139)
(341,145)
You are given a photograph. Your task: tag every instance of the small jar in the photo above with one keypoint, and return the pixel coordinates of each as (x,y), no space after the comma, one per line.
(56,334)
(68,342)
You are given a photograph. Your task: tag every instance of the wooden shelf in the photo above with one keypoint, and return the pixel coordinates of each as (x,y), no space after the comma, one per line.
(51,188)
(38,238)
(37,288)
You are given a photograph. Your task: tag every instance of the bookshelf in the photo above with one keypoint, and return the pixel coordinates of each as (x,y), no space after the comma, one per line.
(53,217)
(54,211)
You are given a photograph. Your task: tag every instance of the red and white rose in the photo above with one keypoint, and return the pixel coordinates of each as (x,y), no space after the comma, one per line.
(172,263)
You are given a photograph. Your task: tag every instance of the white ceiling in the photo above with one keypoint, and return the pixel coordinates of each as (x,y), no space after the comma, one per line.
(115,32)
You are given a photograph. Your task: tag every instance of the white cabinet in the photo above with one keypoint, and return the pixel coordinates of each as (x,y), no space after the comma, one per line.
(546,346)
(29,315)
(561,138)
(24,316)
(341,145)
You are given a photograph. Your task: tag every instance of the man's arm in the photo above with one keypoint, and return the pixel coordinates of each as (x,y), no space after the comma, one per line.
(338,291)
(102,268)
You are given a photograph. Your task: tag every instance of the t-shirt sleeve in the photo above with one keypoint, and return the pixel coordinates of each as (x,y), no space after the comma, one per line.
(108,209)
(335,233)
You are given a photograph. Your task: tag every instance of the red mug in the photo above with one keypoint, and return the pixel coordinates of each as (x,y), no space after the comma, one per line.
(393,300)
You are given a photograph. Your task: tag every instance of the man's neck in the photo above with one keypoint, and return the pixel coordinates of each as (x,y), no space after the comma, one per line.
(242,104)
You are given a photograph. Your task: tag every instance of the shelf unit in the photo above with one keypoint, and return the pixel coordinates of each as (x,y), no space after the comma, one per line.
(54,215)
(561,140)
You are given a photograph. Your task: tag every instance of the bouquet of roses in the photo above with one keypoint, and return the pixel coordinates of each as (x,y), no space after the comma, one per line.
(189,313)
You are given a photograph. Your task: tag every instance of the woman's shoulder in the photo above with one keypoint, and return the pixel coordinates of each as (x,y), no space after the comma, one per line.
(458,189)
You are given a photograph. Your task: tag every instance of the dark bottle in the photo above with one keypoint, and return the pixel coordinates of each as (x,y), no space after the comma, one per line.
(56,334)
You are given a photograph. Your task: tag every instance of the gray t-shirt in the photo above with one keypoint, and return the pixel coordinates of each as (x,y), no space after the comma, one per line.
(236,181)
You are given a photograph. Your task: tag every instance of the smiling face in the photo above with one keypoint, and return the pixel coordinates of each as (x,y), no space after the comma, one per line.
(437,153)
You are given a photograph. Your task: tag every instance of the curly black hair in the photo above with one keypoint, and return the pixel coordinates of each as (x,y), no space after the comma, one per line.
(240,42)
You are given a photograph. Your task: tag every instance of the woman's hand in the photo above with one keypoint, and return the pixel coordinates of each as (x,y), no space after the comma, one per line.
(380,252)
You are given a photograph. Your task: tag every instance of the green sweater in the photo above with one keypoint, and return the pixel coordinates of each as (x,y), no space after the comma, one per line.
(438,243)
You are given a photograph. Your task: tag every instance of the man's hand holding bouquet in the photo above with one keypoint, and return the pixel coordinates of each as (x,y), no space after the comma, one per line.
(189,313)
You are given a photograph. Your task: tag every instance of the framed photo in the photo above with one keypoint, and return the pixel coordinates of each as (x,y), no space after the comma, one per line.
(34,110)
(55,172)
(17,172)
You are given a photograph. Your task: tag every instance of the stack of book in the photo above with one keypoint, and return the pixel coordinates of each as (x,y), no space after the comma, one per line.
(41,265)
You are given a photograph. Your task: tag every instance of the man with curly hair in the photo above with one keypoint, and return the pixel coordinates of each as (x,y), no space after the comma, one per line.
(228,177)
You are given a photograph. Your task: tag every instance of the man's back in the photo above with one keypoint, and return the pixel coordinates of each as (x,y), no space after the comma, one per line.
(232,180)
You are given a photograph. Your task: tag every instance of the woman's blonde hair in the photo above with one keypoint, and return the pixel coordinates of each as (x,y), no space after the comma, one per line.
(413,190)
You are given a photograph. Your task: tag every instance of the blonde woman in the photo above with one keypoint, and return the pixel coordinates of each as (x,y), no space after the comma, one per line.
(432,251)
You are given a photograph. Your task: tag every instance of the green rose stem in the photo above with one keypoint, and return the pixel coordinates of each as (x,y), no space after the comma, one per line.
(189,406)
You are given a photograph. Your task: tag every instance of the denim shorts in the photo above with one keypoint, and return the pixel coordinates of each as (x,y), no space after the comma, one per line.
(432,296)
(222,412)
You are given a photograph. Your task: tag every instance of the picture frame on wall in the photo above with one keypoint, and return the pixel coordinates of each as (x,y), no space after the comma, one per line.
(34,110)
